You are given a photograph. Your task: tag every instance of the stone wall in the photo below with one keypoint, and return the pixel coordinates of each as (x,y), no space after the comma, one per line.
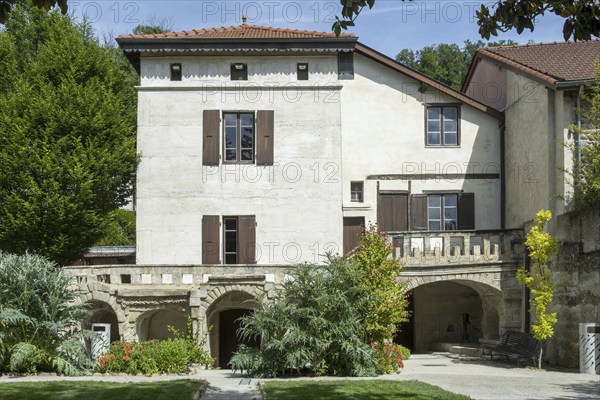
(576,272)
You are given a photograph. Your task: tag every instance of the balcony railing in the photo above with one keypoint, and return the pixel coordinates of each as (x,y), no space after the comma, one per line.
(435,248)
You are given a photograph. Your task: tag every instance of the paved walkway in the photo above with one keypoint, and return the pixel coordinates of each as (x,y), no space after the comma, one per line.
(482,380)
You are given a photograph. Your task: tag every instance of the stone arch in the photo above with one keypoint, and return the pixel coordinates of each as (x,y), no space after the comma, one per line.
(232,303)
(439,319)
(107,302)
(103,313)
(483,283)
(155,323)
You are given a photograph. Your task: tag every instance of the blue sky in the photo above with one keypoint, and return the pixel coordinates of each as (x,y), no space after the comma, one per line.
(390,27)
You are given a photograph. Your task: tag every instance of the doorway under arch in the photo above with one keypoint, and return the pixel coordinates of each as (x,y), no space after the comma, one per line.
(223,322)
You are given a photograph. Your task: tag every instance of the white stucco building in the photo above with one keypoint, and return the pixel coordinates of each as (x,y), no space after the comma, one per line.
(263,147)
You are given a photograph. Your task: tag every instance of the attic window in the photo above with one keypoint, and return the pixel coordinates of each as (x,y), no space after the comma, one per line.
(302,71)
(239,72)
(175,72)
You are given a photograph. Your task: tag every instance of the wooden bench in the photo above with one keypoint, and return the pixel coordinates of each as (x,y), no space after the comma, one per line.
(519,345)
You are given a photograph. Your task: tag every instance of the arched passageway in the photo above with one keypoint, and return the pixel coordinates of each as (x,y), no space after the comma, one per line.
(223,320)
(102,313)
(449,312)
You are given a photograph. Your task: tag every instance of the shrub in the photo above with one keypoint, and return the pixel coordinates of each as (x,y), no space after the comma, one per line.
(405,352)
(378,276)
(389,357)
(155,356)
(38,318)
(313,325)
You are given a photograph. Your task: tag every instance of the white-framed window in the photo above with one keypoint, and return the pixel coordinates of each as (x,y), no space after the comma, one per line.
(442,212)
(356,192)
(238,137)
(442,126)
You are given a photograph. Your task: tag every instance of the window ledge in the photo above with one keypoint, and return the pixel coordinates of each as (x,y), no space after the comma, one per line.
(436,146)
(356,206)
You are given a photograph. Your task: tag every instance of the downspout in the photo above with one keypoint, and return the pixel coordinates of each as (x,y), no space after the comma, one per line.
(578,158)
(502,177)
(578,138)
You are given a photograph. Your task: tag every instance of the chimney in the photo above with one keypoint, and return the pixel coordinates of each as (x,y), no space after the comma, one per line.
(244,19)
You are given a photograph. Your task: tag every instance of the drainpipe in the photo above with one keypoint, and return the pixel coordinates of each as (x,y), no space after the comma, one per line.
(578,157)
(578,138)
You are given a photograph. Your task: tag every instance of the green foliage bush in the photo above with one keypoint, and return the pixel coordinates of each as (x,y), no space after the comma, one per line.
(404,351)
(330,319)
(389,357)
(314,325)
(155,356)
(38,321)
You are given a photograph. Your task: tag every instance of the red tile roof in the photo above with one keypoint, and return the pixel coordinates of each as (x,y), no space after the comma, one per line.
(239,32)
(549,62)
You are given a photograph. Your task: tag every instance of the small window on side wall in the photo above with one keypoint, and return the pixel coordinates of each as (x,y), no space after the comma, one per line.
(442,126)
(239,72)
(302,69)
(176,72)
(356,192)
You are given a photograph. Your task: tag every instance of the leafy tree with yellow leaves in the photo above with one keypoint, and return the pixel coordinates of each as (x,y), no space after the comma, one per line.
(542,246)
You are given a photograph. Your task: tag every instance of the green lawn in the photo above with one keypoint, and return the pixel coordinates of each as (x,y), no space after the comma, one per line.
(74,390)
(356,390)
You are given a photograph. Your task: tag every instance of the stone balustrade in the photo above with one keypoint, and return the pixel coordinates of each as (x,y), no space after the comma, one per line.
(443,248)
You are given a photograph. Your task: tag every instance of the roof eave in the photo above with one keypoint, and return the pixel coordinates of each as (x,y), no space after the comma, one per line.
(173,40)
(573,84)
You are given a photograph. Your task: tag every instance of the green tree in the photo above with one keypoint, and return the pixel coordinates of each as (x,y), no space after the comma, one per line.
(586,170)
(38,318)
(6,6)
(542,246)
(67,135)
(447,63)
(582,17)
(119,229)
(378,280)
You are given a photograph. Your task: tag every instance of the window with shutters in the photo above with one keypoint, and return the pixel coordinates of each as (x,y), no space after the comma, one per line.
(238,137)
(244,137)
(442,126)
(442,212)
(229,239)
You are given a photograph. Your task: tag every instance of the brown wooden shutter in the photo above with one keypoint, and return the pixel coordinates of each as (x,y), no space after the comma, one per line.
(265,121)
(353,227)
(247,239)
(210,239)
(418,209)
(466,211)
(211,133)
(392,212)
